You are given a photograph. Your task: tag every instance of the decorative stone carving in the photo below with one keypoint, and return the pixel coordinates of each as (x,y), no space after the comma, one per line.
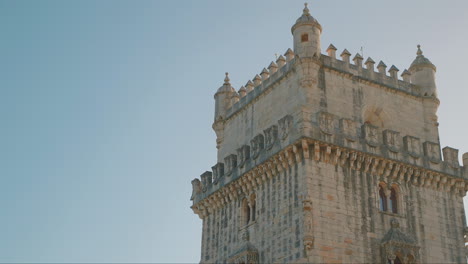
(285,124)
(398,244)
(308,226)
(243,154)
(271,134)
(392,140)
(206,178)
(327,123)
(451,157)
(432,151)
(348,128)
(257,144)
(412,146)
(196,188)
(231,163)
(247,253)
(371,134)
(218,172)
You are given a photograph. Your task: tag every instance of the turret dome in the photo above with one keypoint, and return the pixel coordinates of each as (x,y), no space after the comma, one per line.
(306,19)
(226,87)
(421,61)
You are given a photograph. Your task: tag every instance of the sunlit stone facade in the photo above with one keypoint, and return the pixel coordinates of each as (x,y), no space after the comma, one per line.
(327,160)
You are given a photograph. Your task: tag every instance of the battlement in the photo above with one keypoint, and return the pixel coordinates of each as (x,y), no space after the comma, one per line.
(277,71)
(340,139)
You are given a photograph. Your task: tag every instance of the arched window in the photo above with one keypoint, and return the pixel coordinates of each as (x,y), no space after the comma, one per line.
(245,211)
(383,198)
(305,37)
(394,200)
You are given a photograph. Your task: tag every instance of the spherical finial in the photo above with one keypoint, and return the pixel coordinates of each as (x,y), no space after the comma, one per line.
(226,79)
(419,52)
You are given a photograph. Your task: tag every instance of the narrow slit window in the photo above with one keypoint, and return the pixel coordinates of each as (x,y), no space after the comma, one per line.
(394,200)
(383,199)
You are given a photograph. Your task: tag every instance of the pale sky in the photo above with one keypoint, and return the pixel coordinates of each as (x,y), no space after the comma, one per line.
(107,107)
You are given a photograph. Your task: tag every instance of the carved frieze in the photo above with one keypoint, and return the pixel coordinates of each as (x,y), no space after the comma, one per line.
(348,128)
(271,135)
(231,163)
(451,157)
(243,154)
(218,172)
(327,123)
(257,144)
(371,134)
(285,125)
(432,151)
(392,140)
(412,146)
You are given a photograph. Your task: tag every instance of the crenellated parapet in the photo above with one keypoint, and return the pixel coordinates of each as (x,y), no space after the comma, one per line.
(368,74)
(356,71)
(262,82)
(383,152)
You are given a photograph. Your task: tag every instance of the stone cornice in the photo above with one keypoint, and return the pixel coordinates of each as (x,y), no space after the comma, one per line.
(384,168)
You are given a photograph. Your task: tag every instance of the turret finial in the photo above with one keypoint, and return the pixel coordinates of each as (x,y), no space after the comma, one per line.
(226,79)
(419,52)
(306,10)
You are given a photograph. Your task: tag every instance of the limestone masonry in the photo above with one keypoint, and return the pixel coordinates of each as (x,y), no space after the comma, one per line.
(323,160)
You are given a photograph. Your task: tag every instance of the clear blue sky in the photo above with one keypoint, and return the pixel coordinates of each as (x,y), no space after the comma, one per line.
(106,108)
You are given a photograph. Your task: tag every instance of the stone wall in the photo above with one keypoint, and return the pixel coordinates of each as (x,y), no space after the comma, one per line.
(277,230)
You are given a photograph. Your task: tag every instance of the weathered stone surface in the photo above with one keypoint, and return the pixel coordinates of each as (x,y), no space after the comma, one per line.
(322,161)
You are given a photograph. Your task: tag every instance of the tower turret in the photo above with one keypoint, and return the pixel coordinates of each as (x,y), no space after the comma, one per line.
(223,98)
(306,32)
(423,74)
(223,101)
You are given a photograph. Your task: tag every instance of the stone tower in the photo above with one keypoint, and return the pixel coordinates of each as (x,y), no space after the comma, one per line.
(321,160)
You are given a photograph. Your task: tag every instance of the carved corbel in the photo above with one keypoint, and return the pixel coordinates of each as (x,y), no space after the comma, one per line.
(289,157)
(452,183)
(202,211)
(461,188)
(316,151)
(436,181)
(442,183)
(428,179)
(388,169)
(305,148)
(352,158)
(396,170)
(382,167)
(282,161)
(375,165)
(221,199)
(296,152)
(336,156)
(327,154)
(360,160)
(344,158)
(367,163)
(409,173)
(416,175)
(401,175)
